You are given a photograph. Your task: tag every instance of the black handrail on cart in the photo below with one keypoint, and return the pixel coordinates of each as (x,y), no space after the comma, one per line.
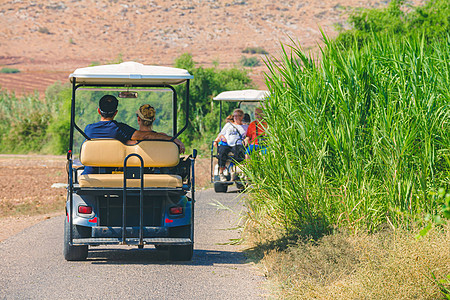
(127,175)
(212,155)
(194,156)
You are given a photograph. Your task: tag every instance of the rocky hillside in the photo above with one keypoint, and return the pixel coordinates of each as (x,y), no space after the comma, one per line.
(46,40)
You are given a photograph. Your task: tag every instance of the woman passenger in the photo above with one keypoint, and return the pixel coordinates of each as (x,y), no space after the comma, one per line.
(233,134)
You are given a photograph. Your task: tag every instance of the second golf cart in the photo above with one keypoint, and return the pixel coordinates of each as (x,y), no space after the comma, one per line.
(248,100)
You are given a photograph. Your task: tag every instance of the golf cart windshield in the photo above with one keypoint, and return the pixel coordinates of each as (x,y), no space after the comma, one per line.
(248,100)
(133,84)
(160,98)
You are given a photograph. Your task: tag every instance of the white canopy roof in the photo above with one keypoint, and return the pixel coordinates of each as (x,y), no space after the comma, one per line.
(243,96)
(130,73)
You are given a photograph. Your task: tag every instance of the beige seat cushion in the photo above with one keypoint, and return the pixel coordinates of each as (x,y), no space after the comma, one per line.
(116,181)
(111,153)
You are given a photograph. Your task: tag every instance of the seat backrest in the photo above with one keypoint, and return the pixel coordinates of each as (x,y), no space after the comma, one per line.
(111,153)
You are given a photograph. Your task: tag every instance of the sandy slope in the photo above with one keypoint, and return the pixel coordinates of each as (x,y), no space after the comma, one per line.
(46,40)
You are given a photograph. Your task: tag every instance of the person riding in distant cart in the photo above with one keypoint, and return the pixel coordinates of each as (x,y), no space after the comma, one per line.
(255,133)
(232,137)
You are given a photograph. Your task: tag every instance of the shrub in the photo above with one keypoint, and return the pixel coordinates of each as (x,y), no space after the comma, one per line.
(431,20)
(9,70)
(31,125)
(44,30)
(249,61)
(255,50)
(23,123)
(57,133)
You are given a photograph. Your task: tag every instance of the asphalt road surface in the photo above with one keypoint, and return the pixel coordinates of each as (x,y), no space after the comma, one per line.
(32,265)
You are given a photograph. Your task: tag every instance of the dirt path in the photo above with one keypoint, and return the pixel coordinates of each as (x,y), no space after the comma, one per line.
(32,265)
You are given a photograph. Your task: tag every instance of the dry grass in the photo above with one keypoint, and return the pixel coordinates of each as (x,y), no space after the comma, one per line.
(31,206)
(26,185)
(386,265)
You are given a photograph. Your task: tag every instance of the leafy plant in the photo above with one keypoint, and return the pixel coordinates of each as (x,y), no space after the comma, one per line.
(255,50)
(431,20)
(9,70)
(359,140)
(249,61)
(207,83)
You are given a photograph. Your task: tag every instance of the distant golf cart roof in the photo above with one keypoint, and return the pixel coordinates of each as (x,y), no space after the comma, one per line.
(243,96)
(131,73)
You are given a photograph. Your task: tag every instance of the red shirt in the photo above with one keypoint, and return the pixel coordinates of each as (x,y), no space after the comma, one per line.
(254,132)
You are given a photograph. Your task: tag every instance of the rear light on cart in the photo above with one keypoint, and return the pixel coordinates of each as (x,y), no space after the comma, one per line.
(83,209)
(177,210)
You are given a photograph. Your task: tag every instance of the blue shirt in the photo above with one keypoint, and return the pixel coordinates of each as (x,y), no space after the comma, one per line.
(110,130)
(107,130)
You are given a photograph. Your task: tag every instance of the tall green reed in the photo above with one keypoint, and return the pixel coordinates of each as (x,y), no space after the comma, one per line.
(29,124)
(359,139)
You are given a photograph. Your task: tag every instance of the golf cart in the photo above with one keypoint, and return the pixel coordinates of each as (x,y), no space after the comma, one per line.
(142,194)
(248,100)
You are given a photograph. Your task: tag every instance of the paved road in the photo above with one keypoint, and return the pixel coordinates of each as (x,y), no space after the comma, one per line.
(32,265)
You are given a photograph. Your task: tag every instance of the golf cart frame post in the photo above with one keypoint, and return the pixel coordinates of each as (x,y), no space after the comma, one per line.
(129,81)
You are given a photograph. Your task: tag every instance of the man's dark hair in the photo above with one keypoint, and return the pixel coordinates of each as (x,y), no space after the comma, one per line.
(246,118)
(108,106)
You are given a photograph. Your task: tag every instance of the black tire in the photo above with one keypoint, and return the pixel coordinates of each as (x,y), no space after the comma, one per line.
(181,253)
(180,231)
(74,253)
(161,247)
(220,187)
(240,186)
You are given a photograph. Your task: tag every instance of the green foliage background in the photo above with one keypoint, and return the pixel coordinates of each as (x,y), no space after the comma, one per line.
(432,20)
(204,112)
(29,124)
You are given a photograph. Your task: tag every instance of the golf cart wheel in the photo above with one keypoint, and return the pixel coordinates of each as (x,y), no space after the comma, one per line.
(220,187)
(73,253)
(240,186)
(161,247)
(181,253)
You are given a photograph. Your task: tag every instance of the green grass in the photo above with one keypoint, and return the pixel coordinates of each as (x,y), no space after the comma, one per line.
(9,70)
(358,140)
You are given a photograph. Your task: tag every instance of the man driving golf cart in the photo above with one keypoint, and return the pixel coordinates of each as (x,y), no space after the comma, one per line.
(107,127)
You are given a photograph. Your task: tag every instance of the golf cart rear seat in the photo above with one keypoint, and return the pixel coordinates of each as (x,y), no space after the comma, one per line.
(112,153)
